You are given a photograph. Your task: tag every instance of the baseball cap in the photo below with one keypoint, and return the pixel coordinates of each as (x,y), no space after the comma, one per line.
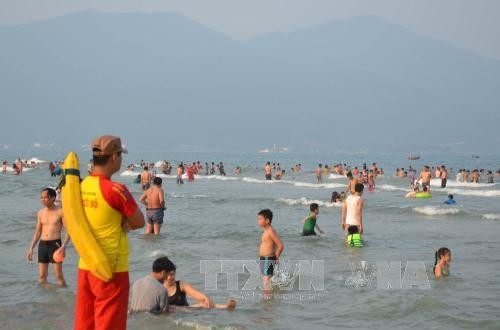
(107,145)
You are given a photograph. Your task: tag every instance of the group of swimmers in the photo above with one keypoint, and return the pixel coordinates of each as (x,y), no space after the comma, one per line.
(17,166)
(159,289)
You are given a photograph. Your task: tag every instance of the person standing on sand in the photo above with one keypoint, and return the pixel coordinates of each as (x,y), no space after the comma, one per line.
(154,199)
(111,211)
(48,230)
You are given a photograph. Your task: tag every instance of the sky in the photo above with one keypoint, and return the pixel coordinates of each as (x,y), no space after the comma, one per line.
(470,24)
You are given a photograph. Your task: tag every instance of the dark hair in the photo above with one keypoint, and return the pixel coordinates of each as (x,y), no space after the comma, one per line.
(101,160)
(426,189)
(349,174)
(352,230)
(51,192)
(450,196)
(359,187)
(163,264)
(267,214)
(438,255)
(146,168)
(313,207)
(157,181)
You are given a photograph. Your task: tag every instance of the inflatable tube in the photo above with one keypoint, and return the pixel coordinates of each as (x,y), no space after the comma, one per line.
(423,195)
(77,224)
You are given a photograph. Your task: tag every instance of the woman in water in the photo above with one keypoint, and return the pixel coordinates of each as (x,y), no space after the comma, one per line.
(178,291)
(442,262)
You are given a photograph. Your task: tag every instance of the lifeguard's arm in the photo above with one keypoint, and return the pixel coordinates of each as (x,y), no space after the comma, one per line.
(195,294)
(136,220)
(278,242)
(36,237)
(162,198)
(344,215)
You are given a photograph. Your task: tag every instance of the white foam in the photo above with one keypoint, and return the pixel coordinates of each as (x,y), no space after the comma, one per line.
(432,210)
(37,161)
(305,201)
(315,185)
(158,254)
(453,184)
(388,187)
(129,173)
(335,176)
(216,177)
(253,180)
(491,216)
(480,193)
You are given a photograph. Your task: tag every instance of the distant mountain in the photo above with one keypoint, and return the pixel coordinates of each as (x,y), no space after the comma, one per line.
(162,81)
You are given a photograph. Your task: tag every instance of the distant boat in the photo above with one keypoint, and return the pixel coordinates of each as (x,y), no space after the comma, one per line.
(264,151)
(413,157)
(475,156)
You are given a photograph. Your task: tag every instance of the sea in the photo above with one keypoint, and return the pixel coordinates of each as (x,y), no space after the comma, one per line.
(320,283)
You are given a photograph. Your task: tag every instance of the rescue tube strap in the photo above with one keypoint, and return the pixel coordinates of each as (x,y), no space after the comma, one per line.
(72,171)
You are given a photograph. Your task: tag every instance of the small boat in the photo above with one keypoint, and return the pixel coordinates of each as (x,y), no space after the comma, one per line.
(413,157)
(475,156)
(264,151)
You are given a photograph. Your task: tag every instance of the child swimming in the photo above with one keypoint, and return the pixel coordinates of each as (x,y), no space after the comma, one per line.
(442,262)
(270,249)
(310,221)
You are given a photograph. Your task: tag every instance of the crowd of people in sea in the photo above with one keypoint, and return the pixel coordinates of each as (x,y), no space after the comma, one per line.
(160,289)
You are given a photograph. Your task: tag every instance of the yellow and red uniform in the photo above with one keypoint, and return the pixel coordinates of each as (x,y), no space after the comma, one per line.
(103,305)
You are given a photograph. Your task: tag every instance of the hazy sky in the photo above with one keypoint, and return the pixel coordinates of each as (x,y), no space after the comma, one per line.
(470,24)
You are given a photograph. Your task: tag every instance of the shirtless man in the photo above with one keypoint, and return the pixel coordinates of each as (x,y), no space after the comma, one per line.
(270,249)
(48,230)
(145,178)
(319,173)
(425,177)
(4,167)
(351,183)
(444,176)
(154,199)
(267,170)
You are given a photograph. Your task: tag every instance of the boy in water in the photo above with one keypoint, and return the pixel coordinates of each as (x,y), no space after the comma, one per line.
(48,230)
(310,221)
(352,209)
(154,199)
(270,249)
(319,173)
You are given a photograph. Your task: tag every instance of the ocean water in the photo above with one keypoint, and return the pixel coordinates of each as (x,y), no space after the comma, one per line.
(214,218)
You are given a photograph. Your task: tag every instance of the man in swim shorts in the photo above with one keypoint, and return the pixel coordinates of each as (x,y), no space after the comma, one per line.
(111,211)
(267,170)
(154,199)
(48,230)
(270,249)
(145,178)
(425,177)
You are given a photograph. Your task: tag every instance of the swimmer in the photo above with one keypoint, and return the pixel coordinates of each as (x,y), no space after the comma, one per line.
(270,249)
(145,178)
(352,209)
(267,170)
(154,199)
(353,238)
(351,183)
(425,177)
(48,230)
(319,173)
(450,200)
(443,176)
(148,293)
(335,197)
(4,167)
(310,221)
(442,262)
(413,194)
(178,291)
(180,171)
